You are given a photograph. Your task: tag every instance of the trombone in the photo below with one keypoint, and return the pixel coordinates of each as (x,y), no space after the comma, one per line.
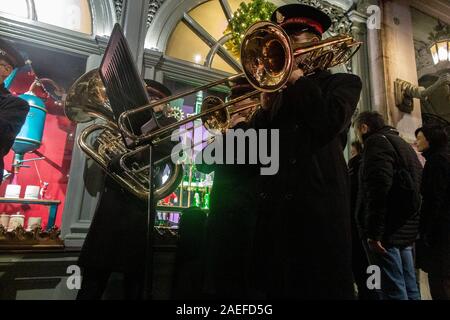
(267,58)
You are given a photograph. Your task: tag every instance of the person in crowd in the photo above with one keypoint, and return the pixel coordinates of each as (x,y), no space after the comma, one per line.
(116,240)
(388,205)
(302,244)
(434,257)
(231,221)
(359,258)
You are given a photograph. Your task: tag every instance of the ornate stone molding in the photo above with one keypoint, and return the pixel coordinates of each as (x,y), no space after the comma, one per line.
(153,8)
(118,5)
(341,23)
(423,55)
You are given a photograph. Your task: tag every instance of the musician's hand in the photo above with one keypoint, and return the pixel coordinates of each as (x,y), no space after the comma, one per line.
(236,119)
(267,99)
(376,246)
(296,74)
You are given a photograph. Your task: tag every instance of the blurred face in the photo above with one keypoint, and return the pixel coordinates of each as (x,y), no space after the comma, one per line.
(5,70)
(422,142)
(303,37)
(361,131)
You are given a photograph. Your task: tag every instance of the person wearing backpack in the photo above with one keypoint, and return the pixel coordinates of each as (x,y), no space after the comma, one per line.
(388,205)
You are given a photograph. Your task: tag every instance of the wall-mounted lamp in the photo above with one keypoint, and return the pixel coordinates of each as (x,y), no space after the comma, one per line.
(440,50)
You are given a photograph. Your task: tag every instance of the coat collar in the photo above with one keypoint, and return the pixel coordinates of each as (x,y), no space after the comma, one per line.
(3,90)
(382,131)
(427,154)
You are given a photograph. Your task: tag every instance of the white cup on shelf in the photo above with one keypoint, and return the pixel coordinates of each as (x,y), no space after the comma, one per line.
(32,192)
(13,191)
(33,223)
(15,221)
(4,220)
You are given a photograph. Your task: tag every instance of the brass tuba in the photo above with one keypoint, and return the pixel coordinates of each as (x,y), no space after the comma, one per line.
(103,142)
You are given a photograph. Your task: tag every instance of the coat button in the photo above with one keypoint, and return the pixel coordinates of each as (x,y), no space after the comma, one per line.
(288,196)
(263,195)
(293,160)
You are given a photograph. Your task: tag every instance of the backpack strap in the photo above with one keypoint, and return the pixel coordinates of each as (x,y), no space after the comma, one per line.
(400,160)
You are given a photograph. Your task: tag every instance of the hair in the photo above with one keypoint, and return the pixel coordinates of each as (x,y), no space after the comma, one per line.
(372,119)
(435,135)
(358,146)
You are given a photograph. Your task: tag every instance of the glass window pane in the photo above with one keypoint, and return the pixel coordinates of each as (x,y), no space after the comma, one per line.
(70,14)
(220,64)
(211,17)
(17,7)
(442,51)
(434,54)
(185,45)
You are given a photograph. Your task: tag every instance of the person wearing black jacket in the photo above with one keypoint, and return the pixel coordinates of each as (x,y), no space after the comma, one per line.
(387,231)
(116,240)
(434,257)
(359,257)
(303,244)
(231,221)
(13,110)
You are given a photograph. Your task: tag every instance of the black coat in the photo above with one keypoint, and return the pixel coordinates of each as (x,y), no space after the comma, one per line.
(435,214)
(303,244)
(116,240)
(375,217)
(13,113)
(230,228)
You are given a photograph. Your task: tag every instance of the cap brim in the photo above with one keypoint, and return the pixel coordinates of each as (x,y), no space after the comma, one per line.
(13,56)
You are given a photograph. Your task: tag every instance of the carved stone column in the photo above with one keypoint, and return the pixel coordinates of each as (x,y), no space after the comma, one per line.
(84,187)
(399,62)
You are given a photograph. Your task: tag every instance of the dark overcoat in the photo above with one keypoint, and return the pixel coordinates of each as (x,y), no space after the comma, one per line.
(303,243)
(230,228)
(435,214)
(116,240)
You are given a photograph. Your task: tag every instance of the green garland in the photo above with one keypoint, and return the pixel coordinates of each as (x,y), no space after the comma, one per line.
(243,18)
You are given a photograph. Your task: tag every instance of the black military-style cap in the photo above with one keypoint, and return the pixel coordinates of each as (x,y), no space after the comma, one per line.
(10,54)
(300,17)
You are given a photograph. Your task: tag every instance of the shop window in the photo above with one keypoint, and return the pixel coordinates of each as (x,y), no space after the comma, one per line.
(69,14)
(42,176)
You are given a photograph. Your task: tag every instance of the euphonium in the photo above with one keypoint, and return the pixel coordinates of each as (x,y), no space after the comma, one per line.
(87,101)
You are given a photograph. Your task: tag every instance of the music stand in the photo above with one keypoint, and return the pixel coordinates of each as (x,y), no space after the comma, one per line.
(125,91)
